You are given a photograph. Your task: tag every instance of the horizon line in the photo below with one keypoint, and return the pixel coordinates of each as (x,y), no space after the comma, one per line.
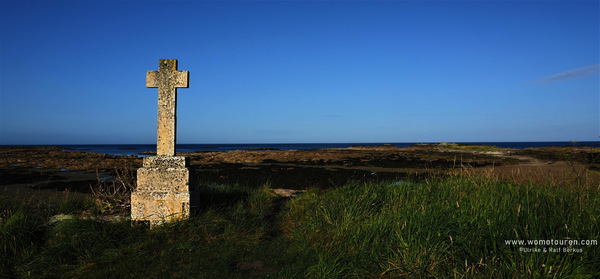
(398,142)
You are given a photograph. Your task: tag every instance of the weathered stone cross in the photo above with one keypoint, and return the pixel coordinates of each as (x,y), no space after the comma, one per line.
(165,186)
(167,79)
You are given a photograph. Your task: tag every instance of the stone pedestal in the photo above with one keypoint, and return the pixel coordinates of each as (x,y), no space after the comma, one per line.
(163,190)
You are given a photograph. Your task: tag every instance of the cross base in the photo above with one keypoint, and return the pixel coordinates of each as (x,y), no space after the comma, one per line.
(163,191)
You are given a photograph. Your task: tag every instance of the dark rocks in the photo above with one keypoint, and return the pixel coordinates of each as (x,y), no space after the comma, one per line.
(291,169)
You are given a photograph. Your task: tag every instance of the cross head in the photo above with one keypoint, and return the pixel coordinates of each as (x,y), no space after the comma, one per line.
(167,79)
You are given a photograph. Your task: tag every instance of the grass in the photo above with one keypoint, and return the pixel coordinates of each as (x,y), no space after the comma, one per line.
(453,227)
(469,147)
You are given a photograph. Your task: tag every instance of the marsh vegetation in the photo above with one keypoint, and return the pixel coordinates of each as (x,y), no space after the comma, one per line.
(453,223)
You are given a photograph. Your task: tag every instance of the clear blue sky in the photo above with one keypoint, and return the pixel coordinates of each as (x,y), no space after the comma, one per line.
(290,72)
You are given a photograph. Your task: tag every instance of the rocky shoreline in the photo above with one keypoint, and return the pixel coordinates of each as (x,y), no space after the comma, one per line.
(48,167)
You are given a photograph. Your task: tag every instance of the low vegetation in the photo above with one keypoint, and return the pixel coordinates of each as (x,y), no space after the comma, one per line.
(469,147)
(113,195)
(452,227)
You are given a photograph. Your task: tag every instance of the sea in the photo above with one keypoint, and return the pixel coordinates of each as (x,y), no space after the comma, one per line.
(143,150)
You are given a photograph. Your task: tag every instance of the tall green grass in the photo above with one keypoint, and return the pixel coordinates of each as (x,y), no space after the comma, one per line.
(23,229)
(455,227)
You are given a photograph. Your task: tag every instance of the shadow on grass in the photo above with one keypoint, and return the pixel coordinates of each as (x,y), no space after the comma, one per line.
(219,197)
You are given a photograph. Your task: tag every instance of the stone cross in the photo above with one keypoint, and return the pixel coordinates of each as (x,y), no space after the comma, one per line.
(167,79)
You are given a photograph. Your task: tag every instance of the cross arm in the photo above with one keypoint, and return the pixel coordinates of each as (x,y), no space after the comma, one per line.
(152,79)
(181,79)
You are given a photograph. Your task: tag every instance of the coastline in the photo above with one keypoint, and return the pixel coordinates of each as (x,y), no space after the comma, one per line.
(51,167)
(143,150)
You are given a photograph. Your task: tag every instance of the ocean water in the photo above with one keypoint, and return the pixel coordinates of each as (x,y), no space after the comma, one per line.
(140,149)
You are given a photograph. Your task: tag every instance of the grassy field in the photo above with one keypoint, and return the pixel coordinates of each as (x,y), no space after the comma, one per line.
(453,227)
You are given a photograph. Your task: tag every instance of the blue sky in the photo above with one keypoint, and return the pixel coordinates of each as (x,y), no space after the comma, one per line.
(73,72)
